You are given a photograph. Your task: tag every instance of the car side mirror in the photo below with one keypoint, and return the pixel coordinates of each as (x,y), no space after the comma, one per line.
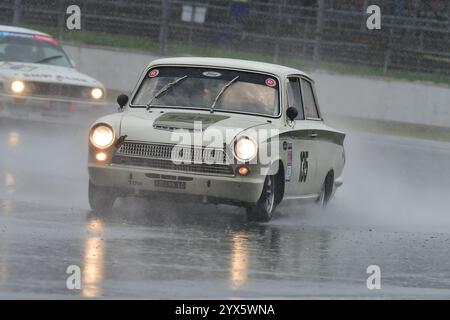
(122,100)
(292,113)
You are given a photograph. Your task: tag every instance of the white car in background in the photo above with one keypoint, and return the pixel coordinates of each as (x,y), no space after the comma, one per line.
(38,78)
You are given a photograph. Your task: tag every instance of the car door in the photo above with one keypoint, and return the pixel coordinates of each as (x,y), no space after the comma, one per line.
(302,160)
(316,134)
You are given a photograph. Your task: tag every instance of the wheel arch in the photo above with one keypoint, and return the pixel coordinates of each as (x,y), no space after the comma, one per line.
(328,184)
(279,172)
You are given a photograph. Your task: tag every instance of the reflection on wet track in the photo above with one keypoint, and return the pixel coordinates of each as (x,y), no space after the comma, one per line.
(93,265)
(163,249)
(239,261)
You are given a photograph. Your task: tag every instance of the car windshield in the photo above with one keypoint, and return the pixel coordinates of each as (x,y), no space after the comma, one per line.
(207,88)
(32,48)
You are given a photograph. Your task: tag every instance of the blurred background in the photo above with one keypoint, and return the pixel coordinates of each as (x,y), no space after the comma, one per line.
(393,74)
(332,34)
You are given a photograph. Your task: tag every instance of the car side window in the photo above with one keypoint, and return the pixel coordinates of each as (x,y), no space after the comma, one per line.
(295,97)
(308,99)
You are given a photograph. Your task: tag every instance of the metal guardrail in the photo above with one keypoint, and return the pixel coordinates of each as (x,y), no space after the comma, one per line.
(280,29)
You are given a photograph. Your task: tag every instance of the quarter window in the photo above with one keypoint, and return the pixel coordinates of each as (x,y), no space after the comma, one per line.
(310,102)
(295,97)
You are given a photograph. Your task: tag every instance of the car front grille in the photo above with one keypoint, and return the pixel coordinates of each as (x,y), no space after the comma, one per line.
(60,90)
(174,157)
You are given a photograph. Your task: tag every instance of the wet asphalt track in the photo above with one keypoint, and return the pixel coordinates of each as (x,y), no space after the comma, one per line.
(393,211)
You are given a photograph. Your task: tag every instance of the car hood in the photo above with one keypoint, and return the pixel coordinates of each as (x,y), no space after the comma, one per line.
(44,73)
(167,127)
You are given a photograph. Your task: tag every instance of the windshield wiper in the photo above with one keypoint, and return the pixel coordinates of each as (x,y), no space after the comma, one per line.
(225,87)
(48,58)
(164,90)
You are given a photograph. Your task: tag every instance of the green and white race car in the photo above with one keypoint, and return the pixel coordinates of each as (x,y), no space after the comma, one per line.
(218,131)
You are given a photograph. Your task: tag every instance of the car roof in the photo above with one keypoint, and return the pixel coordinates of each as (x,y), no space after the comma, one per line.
(21,30)
(278,70)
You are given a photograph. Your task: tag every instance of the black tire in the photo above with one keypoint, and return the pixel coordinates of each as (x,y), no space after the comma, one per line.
(263,210)
(327,190)
(101,199)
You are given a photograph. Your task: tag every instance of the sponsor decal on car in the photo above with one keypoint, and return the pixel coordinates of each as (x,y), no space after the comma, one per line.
(212,74)
(288,147)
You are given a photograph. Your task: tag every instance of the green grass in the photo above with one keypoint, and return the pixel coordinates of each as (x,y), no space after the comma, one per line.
(176,48)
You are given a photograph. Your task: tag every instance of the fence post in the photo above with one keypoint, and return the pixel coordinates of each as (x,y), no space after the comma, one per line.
(305,38)
(319,29)
(17,17)
(164,27)
(387,56)
(419,52)
(364,15)
(276,52)
(61,18)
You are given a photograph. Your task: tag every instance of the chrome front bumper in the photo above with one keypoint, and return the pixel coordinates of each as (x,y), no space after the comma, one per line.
(138,180)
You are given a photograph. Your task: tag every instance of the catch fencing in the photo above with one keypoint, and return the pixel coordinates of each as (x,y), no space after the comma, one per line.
(414,36)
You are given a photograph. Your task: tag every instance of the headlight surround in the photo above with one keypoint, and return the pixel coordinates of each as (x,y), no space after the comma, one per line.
(245,149)
(18,86)
(102,136)
(97,93)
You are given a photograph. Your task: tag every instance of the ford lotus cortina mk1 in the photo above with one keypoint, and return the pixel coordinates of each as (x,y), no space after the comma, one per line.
(218,131)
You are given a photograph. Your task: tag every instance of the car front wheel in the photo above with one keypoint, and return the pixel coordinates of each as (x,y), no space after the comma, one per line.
(101,199)
(263,210)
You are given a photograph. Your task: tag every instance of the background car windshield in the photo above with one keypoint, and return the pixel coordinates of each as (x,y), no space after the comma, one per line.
(250,93)
(17,47)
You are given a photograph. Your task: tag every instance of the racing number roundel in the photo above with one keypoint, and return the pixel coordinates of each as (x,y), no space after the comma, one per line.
(154,73)
(271,82)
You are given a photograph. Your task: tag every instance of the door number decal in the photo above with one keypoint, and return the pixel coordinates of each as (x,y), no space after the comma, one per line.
(303,166)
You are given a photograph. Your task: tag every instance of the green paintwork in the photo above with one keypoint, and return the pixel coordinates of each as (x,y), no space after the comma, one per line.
(322,135)
(187,120)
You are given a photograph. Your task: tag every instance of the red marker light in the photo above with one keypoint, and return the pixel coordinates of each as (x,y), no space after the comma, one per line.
(50,40)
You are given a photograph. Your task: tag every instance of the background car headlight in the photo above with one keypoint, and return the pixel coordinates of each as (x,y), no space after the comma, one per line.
(17,86)
(97,93)
(245,149)
(102,136)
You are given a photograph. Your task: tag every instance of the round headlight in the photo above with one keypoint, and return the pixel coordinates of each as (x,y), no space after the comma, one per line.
(245,149)
(17,86)
(96,93)
(102,136)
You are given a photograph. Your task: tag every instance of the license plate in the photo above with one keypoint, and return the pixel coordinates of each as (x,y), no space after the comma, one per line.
(170,184)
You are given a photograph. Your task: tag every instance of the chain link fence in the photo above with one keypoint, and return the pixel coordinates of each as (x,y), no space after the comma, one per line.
(415,34)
